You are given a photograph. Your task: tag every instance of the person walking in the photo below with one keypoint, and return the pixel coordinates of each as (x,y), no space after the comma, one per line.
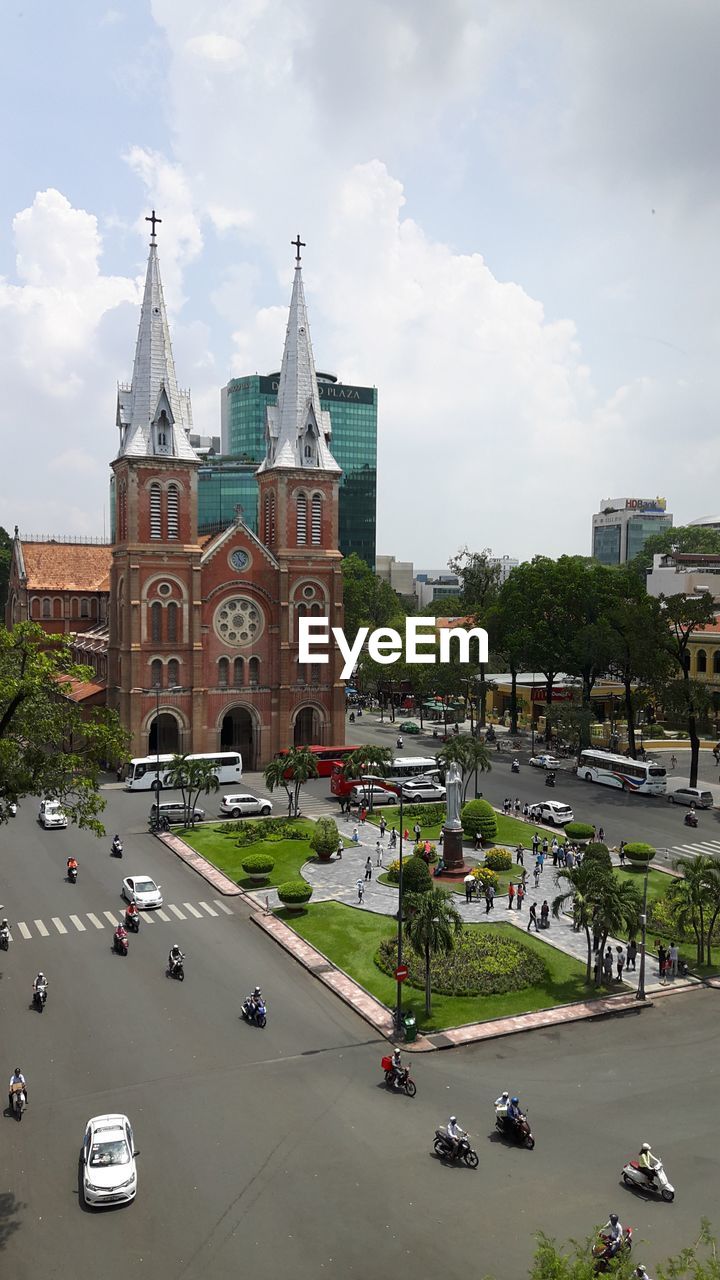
(511,895)
(489,898)
(555,849)
(526,811)
(383,826)
(339,850)
(545,915)
(416,831)
(355,836)
(379,854)
(368,869)
(535,844)
(608,965)
(361,890)
(631,954)
(520,856)
(520,894)
(601,835)
(536,874)
(544,848)
(532,918)
(620,962)
(673,957)
(393,838)
(662,961)
(469,882)
(568,857)
(363,816)
(517,806)
(621,852)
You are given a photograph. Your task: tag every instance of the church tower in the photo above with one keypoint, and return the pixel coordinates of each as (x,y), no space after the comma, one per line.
(298,484)
(155,674)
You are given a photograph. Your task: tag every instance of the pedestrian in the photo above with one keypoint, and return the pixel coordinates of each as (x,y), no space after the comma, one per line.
(428,850)
(511,895)
(417,830)
(568,857)
(541,861)
(631,954)
(532,918)
(555,850)
(368,869)
(393,838)
(536,874)
(594,834)
(673,957)
(620,962)
(601,835)
(476,841)
(363,816)
(524,880)
(526,811)
(535,843)
(520,856)
(662,959)
(489,898)
(545,848)
(469,882)
(608,965)
(378,854)
(355,836)
(361,890)
(383,826)
(339,850)
(621,852)
(520,894)
(517,806)
(598,968)
(406,834)
(545,915)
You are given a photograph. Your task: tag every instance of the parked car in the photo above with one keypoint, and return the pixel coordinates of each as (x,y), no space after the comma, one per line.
(142,890)
(109,1173)
(554,812)
(51,815)
(174,811)
(545,762)
(692,795)
(423,789)
(242,806)
(380,795)
(409,726)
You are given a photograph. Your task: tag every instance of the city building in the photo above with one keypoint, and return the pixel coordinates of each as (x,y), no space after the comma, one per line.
(433,584)
(623,525)
(684,572)
(227,488)
(204,445)
(399,574)
(706,522)
(353,417)
(62,584)
(504,565)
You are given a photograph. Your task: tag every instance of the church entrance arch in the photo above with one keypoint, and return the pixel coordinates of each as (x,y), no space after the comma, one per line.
(238,733)
(307,730)
(165,728)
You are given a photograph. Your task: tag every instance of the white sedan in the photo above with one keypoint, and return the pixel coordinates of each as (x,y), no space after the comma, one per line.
(109,1173)
(423,789)
(544,762)
(142,890)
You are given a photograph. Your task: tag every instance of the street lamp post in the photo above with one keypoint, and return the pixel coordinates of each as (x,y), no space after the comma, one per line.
(157,689)
(643,921)
(399,1023)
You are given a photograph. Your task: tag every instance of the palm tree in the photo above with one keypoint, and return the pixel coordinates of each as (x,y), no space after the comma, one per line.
(617,907)
(469,754)
(291,771)
(695,894)
(192,777)
(365,762)
(431,927)
(582,894)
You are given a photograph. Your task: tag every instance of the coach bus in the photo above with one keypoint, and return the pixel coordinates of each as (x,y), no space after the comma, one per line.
(399,771)
(326,757)
(645,777)
(142,773)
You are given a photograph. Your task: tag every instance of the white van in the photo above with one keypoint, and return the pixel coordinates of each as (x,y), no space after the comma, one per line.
(691,796)
(51,815)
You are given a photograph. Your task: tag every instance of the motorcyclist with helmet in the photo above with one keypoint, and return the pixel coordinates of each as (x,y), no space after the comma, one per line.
(117,845)
(612,1234)
(40,986)
(648,1162)
(455,1134)
(397,1069)
(132,915)
(72,867)
(17,1082)
(121,938)
(175,957)
(253,1002)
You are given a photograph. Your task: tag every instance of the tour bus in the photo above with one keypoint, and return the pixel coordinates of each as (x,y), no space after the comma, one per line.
(326,757)
(143,774)
(645,777)
(399,771)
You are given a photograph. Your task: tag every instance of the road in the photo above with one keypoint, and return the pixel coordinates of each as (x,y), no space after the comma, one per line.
(279,1152)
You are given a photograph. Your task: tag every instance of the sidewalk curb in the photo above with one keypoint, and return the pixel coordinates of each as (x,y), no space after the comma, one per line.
(219,881)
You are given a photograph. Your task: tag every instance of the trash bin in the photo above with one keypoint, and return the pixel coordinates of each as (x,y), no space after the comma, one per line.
(410,1026)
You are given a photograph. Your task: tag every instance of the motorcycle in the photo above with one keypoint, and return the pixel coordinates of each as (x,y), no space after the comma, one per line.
(514,767)
(116,849)
(120,944)
(405,1083)
(72,874)
(517,1130)
(19,1101)
(257,1015)
(132,922)
(691,818)
(399,743)
(177,969)
(602,1250)
(442,1146)
(549,779)
(5,938)
(633,1176)
(13,808)
(39,998)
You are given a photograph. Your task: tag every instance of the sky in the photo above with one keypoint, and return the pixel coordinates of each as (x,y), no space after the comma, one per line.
(510,209)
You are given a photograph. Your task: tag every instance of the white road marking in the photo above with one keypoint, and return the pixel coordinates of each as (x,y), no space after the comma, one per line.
(193,910)
(112,917)
(162,915)
(59,924)
(208,908)
(24,929)
(42,930)
(223,907)
(149,919)
(78,924)
(176,911)
(94,920)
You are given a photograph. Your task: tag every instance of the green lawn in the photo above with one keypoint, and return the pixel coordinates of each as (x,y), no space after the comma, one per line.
(349,937)
(220,847)
(658,883)
(510,831)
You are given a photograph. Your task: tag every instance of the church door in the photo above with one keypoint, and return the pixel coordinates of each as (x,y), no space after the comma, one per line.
(307,728)
(237,734)
(167,727)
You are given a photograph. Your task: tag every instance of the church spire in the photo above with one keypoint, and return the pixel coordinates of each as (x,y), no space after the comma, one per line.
(298,430)
(153,415)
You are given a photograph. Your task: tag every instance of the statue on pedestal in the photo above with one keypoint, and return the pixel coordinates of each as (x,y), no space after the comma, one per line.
(453,791)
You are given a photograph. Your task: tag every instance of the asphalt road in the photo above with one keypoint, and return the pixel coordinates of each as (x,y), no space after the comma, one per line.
(279,1152)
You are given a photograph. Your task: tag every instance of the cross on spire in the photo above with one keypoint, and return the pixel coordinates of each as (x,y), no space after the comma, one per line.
(299,244)
(153,220)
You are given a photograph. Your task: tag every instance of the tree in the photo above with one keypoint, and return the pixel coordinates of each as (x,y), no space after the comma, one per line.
(684,615)
(6,543)
(582,892)
(697,539)
(368,601)
(291,771)
(48,745)
(432,925)
(695,900)
(617,907)
(480,580)
(508,635)
(364,763)
(469,754)
(325,838)
(192,778)
(639,655)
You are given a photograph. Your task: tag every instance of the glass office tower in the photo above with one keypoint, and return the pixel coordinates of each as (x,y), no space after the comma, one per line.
(353,413)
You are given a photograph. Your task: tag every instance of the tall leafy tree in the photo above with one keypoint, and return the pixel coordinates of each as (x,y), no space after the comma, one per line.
(48,745)
(367,762)
(5,558)
(695,900)
(469,754)
(368,601)
(617,907)
(291,771)
(480,581)
(431,927)
(509,638)
(582,886)
(686,538)
(192,778)
(684,615)
(639,656)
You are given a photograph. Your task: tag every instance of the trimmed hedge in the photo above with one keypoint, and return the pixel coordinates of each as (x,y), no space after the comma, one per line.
(250,830)
(598,853)
(294,892)
(324,839)
(479,817)
(428,815)
(579,831)
(416,877)
(498,860)
(258,864)
(639,852)
(480,963)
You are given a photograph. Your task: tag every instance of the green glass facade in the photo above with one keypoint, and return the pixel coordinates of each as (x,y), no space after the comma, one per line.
(224,485)
(353,413)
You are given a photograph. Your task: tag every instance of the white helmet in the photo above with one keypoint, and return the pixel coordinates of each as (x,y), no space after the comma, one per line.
(645,1146)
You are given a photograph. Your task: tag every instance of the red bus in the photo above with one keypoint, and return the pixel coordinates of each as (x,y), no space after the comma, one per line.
(327,757)
(399,771)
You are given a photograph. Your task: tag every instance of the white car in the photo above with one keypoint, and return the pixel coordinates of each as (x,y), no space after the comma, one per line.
(109,1173)
(142,890)
(242,806)
(51,815)
(544,762)
(380,795)
(554,812)
(423,789)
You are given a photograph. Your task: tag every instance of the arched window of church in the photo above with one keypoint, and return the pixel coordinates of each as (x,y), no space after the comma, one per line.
(156,622)
(156,674)
(47,608)
(74,607)
(316,525)
(57,608)
(300,672)
(84,608)
(223,672)
(716,662)
(701,661)
(301,519)
(173,511)
(238,673)
(173,672)
(155,511)
(254,672)
(172,622)
(34,607)
(316,608)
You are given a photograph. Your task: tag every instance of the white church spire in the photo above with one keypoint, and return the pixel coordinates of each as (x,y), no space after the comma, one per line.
(298,431)
(153,415)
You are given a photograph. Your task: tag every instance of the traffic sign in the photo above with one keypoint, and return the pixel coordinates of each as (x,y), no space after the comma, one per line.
(401,972)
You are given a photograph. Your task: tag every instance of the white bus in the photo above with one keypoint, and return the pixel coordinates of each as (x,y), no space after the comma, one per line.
(645,777)
(143,774)
(399,772)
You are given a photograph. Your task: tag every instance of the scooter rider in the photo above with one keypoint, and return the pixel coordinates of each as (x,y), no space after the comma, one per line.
(513,1111)
(39,983)
(117,844)
(455,1134)
(399,740)
(641,1273)
(131,911)
(613,1233)
(72,864)
(397,1069)
(648,1162)
(175,957)
(16,1078)
(501,1105)
(254,1001)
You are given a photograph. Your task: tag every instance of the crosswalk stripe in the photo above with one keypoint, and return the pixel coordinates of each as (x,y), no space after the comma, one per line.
(207,908)
(78,924)
(41,928)
(24,929)
(162,915)
(148,918)
(223,907)
(177,912)
(112,917)
(59,924)
(193,910)
(94,920)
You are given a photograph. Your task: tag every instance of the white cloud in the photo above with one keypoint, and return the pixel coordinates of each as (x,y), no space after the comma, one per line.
(180,237)
(216,48)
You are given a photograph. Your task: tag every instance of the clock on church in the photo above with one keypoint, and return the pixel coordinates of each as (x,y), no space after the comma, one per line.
(239,559)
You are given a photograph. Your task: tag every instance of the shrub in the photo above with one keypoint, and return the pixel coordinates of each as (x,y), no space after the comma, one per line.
(258,864)
(416,877)
(479,817)
(250,831)
(325,837)
(639,852)
(295,892)
(598,853)
(579,831)
(393,871)
(428,815)
(498,860)
(485,876)
(480,963)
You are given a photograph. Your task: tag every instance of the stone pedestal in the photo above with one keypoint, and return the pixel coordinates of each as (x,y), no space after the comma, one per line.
(452,852)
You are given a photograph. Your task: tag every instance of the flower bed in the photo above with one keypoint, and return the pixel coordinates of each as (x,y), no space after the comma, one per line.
(479,964)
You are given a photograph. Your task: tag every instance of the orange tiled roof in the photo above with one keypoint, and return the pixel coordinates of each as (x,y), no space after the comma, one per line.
(710,626)
(67,566)
(443,623)
(79,690)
